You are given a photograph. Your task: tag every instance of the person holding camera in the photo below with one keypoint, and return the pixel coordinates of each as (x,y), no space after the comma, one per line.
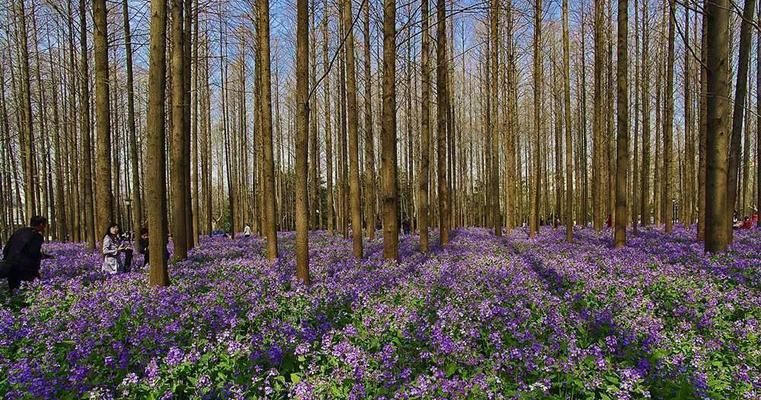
(112,248)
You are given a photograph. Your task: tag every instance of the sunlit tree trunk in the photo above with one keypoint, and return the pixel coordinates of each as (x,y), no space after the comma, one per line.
(425,128)
(328,127)
(644,194)
(353,130)
(441,121)
(388,132)
(622,144)
(86,168)
(718,207)
(177,148)
(155,163)
(568,134)
(369,129)
(597,145)
(538,83)
(668,124)
(302,141)
(263,34)
(739,108)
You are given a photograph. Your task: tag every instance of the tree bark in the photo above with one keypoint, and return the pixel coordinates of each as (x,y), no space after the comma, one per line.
(718,206)
(177,161)
(568,134)
(622,145)
(369,137)
(263,33)
(441,121)
(155,163)
(302,141)
(353,127)
(538,82)
(668,124)
(388,133)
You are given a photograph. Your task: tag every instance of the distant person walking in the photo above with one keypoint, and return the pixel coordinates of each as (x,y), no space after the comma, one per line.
(247,231)
(23,253)
(112,248)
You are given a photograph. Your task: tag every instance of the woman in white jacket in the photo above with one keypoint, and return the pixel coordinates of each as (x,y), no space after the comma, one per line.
(112,246)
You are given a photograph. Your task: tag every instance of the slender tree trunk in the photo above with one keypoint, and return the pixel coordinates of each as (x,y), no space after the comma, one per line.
(86,168)
(353,121)
(177,161)
(703,121)
(758,120)
(494,113)
(668,125)
(328,127)
(425,128)
(388,133)
(568,134)
(538,83)
(441,121)
(718,205)
(26,130)
(739,107)
(155,165)
(314,153)
(263,33)
(644,194)
(137,204)
(105,207)
(369,128)
(302,141)
(597,147)
(622,145)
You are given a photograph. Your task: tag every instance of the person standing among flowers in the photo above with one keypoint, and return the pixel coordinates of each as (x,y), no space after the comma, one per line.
(22,253)
(112,247)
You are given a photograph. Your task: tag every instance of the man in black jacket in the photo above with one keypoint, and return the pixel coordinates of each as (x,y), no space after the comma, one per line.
(24,252)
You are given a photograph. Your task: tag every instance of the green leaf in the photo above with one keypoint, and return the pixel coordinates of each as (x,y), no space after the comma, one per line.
(295,378)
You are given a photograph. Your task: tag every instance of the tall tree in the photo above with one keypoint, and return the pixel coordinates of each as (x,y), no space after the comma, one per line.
(353,121)
(425,128)
(703,122)
(388,134)
(27,129)
(494,113)
(538,82)
(155,162)
(622,145)
(86,169)
(104,195)
(369,137)
(597,146)
(718,208)
(328,128)
(442,100)
(758,118)
(177,161)
(263,34)
(644,193)
(302,141)
(738,117)
(568,135)
(668,124)
(137,204)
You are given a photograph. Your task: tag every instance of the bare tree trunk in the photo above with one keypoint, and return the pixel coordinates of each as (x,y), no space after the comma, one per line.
(441,121)
(568,135)
(494,113)
(27,131)
(155,166)
(622,145)
(758,121)
(597,146)
(328,127)
(425,126)
(137,204)
(177,161)
(668,124)
(369,137)
(703,121)
(645,181)
(718,205)
(105,207)
(353,121)
(739,107)
(86,168)
(388,132)
(263,33)
(314,149)
(538,83)
(302,141)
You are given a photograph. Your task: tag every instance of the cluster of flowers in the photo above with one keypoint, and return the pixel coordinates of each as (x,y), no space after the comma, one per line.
(485,317)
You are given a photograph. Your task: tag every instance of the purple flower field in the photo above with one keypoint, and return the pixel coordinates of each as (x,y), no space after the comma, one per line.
(483,318)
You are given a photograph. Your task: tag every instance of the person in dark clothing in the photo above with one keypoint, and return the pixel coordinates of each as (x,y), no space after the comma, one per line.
(145,249)
(24,252)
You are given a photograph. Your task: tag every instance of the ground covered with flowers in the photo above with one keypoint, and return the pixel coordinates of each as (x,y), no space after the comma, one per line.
(483,318)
